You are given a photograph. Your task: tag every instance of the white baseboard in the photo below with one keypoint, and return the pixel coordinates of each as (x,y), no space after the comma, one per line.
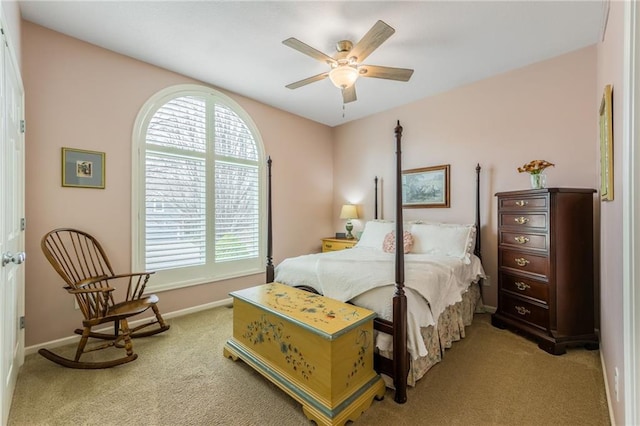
(490,309)
(606,390)
(75,338)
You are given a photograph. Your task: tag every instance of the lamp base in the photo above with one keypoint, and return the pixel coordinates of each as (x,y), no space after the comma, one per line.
(349,228)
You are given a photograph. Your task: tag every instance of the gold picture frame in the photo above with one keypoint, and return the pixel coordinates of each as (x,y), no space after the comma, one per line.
(606,145)
(83,169)
(426,187)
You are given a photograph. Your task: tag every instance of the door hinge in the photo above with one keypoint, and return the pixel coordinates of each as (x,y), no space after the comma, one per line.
(21,322)
(23,224)
(22,126)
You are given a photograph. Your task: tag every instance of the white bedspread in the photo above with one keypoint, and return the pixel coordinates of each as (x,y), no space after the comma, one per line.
(366,277)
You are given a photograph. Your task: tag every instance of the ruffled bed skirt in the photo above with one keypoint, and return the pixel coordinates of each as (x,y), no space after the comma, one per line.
(450,328)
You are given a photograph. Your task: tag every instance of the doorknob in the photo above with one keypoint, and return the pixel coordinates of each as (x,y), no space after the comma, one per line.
(17,258)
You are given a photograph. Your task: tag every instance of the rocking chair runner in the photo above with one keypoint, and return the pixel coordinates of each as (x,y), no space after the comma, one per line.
(81,261)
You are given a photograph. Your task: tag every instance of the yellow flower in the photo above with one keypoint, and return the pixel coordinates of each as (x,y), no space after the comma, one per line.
(535,167)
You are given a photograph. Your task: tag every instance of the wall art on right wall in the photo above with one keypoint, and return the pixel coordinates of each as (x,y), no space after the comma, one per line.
(606,145)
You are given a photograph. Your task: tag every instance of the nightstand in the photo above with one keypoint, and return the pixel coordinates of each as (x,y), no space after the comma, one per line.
(335,244)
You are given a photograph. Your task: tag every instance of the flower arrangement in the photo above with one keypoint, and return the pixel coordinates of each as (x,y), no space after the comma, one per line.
(535,167)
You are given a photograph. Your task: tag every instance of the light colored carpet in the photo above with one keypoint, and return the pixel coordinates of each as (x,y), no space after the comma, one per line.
(492,377)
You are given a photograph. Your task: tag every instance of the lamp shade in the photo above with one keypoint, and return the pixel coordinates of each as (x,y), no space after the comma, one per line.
(349,211)
(343,76)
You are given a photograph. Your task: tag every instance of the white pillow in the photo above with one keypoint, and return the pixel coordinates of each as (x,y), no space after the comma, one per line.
(374,233)
(444,239)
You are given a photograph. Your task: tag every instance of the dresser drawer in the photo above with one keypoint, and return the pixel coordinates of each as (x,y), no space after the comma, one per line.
(523,240)
(525,287)
(524,311)
(537,221)
(525,262)
(523,203)
(336,244)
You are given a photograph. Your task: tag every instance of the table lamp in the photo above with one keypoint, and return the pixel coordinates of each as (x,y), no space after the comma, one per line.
(349,211)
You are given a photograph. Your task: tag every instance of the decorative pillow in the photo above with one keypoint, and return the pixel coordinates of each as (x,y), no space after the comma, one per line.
(374,233)
(444,239)
(389,244)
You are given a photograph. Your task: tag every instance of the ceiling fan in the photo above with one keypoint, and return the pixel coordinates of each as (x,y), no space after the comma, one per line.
(346,65)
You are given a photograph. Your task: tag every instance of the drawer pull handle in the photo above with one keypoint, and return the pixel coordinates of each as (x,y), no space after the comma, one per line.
(521,220)
(521,239)
(328,245)
(522,310)
(521,261)
(521,203)
(522,286)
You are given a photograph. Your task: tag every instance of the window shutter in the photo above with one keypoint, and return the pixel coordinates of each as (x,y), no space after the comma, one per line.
(202,196)
(237,211)
(180,124)
(233,138)
(237,188)
(175,211)
(175,176)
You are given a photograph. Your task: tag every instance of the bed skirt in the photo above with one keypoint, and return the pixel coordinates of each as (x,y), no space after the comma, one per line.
(450,328)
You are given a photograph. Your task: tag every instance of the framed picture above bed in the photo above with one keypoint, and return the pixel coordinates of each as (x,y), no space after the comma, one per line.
(426,187)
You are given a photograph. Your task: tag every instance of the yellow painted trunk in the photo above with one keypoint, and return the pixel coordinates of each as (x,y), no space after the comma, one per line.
(318,350)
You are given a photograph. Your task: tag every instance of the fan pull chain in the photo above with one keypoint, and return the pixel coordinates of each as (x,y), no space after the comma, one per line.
(343,110)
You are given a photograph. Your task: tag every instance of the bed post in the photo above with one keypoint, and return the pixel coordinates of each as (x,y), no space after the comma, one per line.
(476,250)
(375,215)
(400,352)
(270,271)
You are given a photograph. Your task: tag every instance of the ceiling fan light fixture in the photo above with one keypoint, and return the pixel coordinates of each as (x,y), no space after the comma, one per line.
(347,64)
(343,76)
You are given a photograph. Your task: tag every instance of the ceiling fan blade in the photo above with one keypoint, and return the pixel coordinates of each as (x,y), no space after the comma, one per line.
(301,47)
(349,94)
(307,81)
(389,73)
(371,40)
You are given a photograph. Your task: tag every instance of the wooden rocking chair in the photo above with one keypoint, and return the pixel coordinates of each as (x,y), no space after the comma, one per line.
(80,260)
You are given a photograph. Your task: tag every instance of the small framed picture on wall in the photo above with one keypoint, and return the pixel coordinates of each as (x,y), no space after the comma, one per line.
(83,169)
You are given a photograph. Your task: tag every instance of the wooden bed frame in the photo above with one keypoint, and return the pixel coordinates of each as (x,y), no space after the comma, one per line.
(398,367)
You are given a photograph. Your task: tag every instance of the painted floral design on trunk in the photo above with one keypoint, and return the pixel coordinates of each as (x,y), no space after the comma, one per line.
(263,331)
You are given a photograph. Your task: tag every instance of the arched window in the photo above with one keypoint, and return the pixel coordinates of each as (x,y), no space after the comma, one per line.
(198,187)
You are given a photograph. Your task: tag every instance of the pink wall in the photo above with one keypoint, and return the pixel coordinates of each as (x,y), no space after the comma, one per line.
(610,61)
(82,96)
(543,111)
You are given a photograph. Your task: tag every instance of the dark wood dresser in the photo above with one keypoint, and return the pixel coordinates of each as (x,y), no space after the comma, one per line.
(545,266)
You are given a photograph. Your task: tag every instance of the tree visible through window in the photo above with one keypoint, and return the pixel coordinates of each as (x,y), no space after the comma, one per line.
(202,165)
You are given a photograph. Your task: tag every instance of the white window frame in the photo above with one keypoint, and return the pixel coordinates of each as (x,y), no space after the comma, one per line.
(183,277)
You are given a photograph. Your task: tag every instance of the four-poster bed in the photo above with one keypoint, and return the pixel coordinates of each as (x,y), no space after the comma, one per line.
(396,361)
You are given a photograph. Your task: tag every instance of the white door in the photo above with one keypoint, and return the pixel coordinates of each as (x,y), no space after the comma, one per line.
(11,226)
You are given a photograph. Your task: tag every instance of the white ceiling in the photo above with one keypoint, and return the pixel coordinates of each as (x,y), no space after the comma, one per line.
(237,45)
